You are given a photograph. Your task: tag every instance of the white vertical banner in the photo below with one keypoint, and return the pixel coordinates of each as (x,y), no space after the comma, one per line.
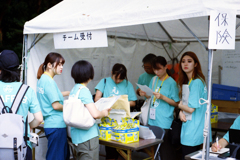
(222,29)
(81,39)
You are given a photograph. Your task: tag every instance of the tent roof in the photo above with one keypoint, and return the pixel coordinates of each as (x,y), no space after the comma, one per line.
(140,17)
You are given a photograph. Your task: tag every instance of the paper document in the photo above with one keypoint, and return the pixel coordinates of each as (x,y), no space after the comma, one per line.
(211,156)
(105,103)
(185,95)
(146,89)
(146,133)
(188,116)
(221,151)
(134,114)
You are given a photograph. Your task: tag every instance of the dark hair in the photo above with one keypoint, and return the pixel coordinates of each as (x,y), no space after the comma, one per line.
(197,72)
(50,58)
(148,58)
(82,71)
(162,61)
(10,76)
(119,69)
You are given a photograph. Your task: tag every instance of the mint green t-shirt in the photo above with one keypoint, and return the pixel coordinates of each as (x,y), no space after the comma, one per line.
(163,110)
(145,79)
(47,93)
(82,135)
(235,125)
(192,130)
(112,89)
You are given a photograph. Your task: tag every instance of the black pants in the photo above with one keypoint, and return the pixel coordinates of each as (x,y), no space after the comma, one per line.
(29,153)
(189,149)
(111,153)
(167,150)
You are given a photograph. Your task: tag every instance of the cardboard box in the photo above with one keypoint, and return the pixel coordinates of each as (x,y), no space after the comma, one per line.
(214,114)
(105,133)
(223,92)
(227,106)
(126,135)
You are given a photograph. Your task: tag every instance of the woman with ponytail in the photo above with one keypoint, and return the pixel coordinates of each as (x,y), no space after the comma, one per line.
(51,102)
(163,102)
(190,73)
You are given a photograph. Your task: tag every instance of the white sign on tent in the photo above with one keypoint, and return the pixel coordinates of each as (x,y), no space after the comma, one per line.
(81,39)
(222,30)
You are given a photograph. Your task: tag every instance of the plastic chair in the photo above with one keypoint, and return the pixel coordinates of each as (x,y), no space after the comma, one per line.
(159,133)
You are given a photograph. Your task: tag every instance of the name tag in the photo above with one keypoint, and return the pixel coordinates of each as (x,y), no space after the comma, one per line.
(152,114)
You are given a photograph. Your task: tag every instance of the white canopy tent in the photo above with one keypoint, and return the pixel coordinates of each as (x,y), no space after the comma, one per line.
(134,29)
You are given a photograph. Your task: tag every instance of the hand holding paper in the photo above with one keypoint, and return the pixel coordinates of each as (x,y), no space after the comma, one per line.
(146,89)
(106,103)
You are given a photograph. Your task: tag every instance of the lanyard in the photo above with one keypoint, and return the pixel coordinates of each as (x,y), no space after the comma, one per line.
(48,74)
(189,82)
(154,99)
(83,84)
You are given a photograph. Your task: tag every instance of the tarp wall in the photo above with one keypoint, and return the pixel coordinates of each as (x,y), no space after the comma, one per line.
(128,52)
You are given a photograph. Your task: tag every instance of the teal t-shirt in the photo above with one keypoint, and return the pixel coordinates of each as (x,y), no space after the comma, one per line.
(192,130)
(113,89)
(235,125)
(163,110)
(29,103)
(145,79)
(82,135)
(47,93)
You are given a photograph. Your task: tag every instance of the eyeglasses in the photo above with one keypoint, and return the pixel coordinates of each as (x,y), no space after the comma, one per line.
(147,67)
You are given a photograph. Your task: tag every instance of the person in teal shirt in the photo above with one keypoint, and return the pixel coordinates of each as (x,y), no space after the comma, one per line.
(51,102)
(192,129)
(9,86)
(145,78)
(85,142)
(163,102)
(114,86)
(223,142)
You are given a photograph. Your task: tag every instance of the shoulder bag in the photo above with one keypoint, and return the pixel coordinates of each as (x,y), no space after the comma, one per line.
(145,108)
(75,114)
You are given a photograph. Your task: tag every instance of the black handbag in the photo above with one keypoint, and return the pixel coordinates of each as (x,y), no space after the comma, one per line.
(175,130)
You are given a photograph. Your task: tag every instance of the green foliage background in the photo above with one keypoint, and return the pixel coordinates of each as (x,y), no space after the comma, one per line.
(13,15)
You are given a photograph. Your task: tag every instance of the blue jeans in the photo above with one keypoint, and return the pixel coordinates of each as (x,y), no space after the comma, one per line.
(57,144)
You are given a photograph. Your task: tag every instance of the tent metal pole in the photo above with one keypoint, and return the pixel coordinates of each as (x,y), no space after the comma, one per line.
(142,39)
(183,49)
(169,36)
(22,65)
(210,62)
(237,25)
(167,51)
(25,57)
(193,34)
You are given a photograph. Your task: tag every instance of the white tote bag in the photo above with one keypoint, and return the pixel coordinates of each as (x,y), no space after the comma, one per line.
(145,108)
(75,114)
(144,112)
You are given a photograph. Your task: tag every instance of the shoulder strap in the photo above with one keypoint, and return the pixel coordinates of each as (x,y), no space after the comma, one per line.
(104,85)
(19,97)
(77,94)
(1,105)
(154,78)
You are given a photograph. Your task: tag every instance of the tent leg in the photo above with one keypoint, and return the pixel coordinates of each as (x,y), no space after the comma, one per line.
(24,59)
(207,126)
